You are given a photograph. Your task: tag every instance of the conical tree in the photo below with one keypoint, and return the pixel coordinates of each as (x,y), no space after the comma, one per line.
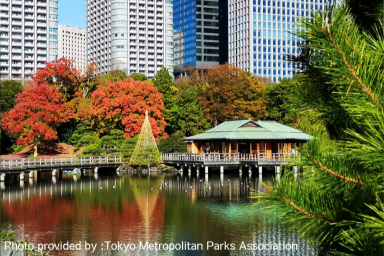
(146,152)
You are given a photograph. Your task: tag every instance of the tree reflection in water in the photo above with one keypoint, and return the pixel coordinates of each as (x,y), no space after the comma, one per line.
(80,211)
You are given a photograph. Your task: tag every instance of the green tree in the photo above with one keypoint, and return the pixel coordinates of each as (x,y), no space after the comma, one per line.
(87,140)
(366,13)
(173,144)
(127,148)
(338,201)
(117,134)
(83,128)
(163,81)
(113,76)
(139,77)
(109,144)
(92,150)
(188,114)
(8,91)
(282,102)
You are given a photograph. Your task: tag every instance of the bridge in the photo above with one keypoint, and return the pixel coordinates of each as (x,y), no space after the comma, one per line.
(221,160)
(228,160)
(16,165)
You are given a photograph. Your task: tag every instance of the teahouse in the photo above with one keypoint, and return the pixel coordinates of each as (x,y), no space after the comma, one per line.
(247,137)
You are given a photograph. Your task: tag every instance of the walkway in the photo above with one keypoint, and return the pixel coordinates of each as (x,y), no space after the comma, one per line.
(217,159)
(49,163)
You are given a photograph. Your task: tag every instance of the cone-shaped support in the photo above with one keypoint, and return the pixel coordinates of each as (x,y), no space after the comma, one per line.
(146,152)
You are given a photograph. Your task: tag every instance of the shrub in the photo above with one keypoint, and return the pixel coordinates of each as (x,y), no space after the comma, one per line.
(92,150)
(127,148)
(173,144)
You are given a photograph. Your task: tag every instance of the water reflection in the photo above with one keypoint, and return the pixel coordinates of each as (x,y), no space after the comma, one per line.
(172,208)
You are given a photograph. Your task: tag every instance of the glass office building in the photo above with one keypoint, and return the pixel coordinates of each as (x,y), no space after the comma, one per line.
(200,33)
(261,34)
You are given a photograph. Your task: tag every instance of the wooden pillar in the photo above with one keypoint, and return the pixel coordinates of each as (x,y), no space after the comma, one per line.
(2,177)
(230,147)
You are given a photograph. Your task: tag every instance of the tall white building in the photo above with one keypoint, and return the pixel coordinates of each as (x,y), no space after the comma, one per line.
(135,36)
(28,37)
(261,34)
(72,45)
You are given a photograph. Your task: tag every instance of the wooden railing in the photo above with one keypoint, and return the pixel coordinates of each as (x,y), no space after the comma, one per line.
(20,163)
(227,157)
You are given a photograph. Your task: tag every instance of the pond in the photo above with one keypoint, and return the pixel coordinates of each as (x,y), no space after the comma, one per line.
(172,214)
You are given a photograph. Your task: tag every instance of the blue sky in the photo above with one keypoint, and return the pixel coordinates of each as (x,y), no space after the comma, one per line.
(72,12)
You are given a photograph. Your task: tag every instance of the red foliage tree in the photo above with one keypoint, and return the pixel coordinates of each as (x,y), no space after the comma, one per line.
(61,74)
(38,112)
(67,79)
(122,105)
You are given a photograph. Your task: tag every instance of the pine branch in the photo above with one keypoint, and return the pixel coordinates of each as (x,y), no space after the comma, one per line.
(344,178)
(301,210)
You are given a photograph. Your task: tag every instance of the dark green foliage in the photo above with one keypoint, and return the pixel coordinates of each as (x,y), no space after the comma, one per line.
(163,81)
(338,201)
(87,140)
(188,115)
(127,148)
(282,103)
(366,13)
(173,144)
(139,77)
(82,129)
(109,144)
(92,150)
(117,134)
(7,141)
(8,92)
(66,131)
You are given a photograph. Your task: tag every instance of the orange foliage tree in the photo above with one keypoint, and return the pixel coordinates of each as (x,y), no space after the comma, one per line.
(122,105)
(38,112)
(67,79)
(226,92)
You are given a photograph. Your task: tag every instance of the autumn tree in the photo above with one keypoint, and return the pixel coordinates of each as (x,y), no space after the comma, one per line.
(37,113)
(122,106)
(226,92)
(67,79)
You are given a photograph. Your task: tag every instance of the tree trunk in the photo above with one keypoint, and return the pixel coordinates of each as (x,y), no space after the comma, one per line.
(35,150)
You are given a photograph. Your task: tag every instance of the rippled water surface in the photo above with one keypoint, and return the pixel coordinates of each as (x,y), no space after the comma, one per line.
(188,208)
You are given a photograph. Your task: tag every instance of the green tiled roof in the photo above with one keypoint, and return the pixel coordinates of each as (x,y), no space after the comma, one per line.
(263,130)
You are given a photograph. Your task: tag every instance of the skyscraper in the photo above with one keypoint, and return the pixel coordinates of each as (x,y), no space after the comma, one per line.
(28,37)
(200,33)
(72,45)
(261,34)
(133,36)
